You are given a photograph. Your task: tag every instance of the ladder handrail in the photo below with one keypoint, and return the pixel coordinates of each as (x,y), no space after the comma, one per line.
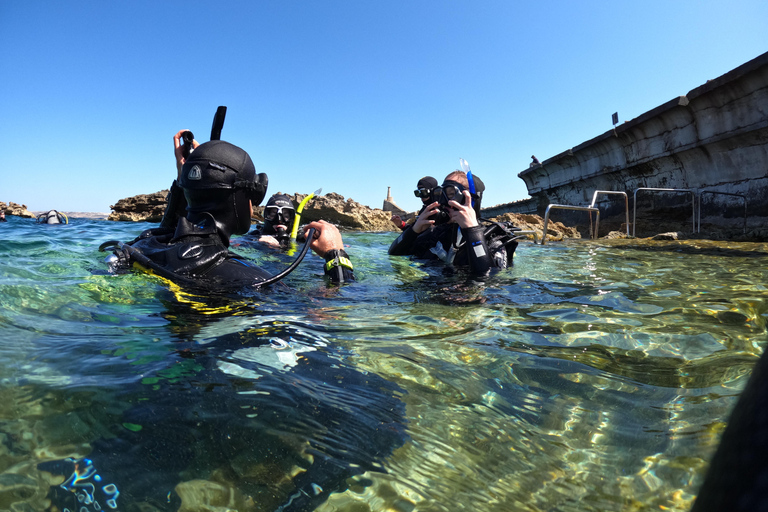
(702,192)
(685,190)
(626,205)
(569,207)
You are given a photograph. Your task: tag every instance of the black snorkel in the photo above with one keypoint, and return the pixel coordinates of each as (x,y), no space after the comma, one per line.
(140,258)
(218,122)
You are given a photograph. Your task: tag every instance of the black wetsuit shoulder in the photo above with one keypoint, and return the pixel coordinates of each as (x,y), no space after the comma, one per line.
(197,254)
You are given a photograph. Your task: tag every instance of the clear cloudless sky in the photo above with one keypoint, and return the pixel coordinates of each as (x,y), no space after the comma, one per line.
(349,95)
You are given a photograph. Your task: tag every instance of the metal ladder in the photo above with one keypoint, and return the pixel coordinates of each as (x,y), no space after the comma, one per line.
(695,198)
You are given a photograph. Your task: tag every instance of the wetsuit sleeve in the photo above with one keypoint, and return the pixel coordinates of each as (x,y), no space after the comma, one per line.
(480,261)
(176,207)
(403,244)
(338,267)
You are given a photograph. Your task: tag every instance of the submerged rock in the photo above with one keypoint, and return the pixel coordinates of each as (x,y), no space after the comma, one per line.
(672,235)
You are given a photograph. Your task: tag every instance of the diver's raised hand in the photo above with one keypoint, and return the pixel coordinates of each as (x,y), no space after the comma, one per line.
(423,222)
(463,214)
(178,151)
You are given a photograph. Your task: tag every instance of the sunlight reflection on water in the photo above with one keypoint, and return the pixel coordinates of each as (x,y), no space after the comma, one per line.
(591,376)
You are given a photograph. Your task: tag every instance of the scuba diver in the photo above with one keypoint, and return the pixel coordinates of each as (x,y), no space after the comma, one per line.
(448,229)
(277,232)
(279,214)
(52,217)
(423,191)
(211,200)
(2,216)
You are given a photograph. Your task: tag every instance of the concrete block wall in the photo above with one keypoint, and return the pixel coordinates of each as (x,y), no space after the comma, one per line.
(713,138)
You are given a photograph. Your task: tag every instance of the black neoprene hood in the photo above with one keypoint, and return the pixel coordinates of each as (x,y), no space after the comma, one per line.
(281,200)
(217,164)
(220,181)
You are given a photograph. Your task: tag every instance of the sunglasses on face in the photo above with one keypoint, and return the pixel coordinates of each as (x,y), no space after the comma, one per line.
(447,193)
(422,192)
(284,213)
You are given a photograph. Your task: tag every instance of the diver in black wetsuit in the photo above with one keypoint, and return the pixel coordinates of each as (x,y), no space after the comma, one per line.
(211,200)
(279,214)
(423,191)
(2,216)
(448,229)
(279,217)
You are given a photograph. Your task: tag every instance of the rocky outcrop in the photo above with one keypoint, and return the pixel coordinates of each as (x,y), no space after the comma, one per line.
(345,213)
(144,207)
(529,222)
(332,207)
(19,210)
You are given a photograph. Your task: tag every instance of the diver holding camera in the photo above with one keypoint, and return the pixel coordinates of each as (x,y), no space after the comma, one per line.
(449,229)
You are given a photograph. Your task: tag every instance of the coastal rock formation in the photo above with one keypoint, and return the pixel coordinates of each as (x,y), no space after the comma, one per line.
(530,222)
(332,207)
(345,213)
(144,207)
(20,210)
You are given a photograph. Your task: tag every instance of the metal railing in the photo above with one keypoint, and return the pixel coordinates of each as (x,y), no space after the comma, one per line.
(626,207)
(702,192)
(696,212)
(684,190)
(569,207)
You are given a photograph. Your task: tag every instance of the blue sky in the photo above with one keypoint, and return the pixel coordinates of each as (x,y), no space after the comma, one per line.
(350,96)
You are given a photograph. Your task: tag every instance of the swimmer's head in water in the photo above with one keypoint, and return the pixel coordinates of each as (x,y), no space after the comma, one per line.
(220,179)
(279,213)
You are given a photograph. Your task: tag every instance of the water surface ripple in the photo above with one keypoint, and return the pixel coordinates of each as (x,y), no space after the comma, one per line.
(592,376)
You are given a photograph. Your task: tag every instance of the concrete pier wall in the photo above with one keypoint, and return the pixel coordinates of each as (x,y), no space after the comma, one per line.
(715,138)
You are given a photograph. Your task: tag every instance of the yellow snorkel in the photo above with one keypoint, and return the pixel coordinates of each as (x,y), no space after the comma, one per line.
(297,219)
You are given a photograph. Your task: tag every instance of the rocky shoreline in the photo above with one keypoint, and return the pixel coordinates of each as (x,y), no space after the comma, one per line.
(350,215)
(347,214)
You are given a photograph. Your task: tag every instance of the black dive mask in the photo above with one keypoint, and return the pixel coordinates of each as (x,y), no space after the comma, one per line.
(448,191)
(278,221)
(279,214)
(423,193)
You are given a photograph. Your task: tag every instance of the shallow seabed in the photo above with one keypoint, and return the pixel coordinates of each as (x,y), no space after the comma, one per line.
(592,376)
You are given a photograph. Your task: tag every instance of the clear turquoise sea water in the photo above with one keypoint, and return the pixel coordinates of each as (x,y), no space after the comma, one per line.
(589,377)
